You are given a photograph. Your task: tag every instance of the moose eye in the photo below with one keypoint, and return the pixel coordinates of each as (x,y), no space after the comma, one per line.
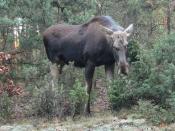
(117,48)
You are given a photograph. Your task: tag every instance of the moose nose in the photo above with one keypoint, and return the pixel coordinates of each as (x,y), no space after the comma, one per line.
(124,68)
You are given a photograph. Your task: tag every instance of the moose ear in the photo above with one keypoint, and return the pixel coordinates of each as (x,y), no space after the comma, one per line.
(129,29)
(106,30)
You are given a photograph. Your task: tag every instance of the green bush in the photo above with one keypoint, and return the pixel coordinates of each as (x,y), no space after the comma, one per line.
(45,101)
(170,101)
(119,94)
(60,97)
(78,97)
(154,113)
(133,51)
(6,106)
(151,78)
(50,100)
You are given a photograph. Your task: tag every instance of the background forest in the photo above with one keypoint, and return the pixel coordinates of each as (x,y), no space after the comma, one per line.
(26,88)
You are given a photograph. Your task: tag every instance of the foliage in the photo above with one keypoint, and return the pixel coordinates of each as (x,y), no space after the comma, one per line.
(119,94)
(155,113)
(8,89)
(151,78)
(148,16)
(170,101)
(57,98)
(47,102)
(79,11)
(133,50)
(78,97)
(6,106)
(7,84)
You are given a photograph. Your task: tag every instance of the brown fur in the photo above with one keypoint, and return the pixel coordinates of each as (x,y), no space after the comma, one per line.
(86,45)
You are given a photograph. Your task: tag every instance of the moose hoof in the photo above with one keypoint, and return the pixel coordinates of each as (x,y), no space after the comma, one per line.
(87,114)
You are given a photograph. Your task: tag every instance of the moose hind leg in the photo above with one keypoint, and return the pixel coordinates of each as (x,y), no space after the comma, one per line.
(89,72)
(60,70)
(54,71)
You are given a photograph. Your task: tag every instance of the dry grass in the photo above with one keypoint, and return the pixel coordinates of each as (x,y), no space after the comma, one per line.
(78,123)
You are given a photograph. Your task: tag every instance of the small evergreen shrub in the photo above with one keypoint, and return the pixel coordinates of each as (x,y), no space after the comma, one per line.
(120,94)
(50,100)
(62,97)
(6,106)
(133,51)
(151,78)
(78,97)
(154,113)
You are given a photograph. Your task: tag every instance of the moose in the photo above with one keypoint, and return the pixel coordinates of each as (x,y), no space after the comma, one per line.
(100,41)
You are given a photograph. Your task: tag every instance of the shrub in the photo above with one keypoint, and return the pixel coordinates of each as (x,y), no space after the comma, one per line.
(6,106)
(170,102)
(60,97)
(8,88)
(154,113)
(151,78)
(133,51)
(49,100)
(78,97)
(119,94)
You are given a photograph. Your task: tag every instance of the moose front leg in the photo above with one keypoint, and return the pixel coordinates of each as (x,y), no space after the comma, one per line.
(109,70)
(54,71)
(60,69)
(89,72)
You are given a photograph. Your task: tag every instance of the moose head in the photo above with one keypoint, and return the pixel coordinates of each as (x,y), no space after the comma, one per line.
(119,42)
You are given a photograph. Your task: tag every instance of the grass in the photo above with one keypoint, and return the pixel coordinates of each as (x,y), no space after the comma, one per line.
(68,123)
(87,122)
(80,123)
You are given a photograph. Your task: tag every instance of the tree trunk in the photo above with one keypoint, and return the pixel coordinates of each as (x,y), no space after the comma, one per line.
(168,20)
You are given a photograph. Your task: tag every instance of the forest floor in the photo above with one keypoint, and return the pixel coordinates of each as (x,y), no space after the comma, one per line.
(98,122)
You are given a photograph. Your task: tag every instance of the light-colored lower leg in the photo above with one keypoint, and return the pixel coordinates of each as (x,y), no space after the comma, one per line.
(109,70)
(88,91)
(109,75)
(54,71)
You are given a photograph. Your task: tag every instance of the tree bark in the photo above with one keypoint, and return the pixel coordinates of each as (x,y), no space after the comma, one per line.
(168,19)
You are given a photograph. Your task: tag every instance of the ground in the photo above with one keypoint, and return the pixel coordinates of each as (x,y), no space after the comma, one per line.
(98,122)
